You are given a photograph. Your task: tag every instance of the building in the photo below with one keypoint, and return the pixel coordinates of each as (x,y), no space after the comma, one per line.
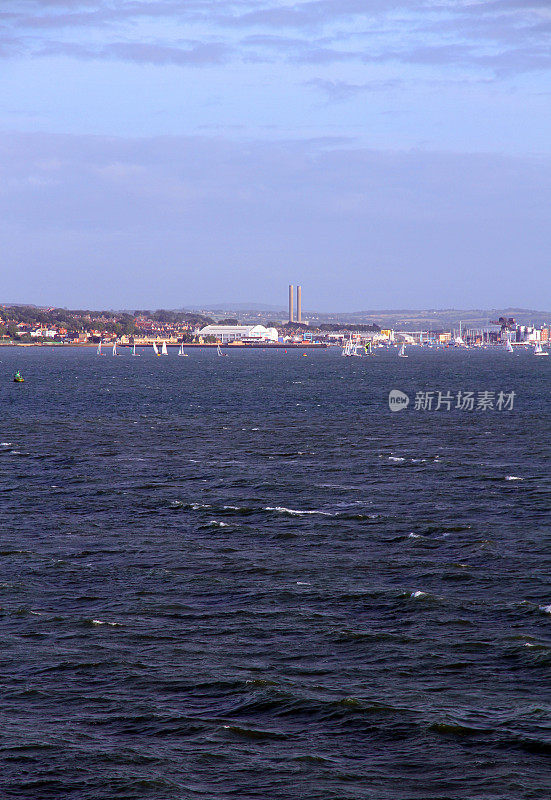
(239,333)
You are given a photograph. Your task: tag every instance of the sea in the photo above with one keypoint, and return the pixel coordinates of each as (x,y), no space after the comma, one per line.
(247,577)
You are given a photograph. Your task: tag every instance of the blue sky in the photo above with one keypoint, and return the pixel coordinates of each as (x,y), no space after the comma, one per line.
(180,152)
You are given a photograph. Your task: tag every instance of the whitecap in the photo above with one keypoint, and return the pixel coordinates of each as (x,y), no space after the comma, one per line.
(303,583)
(101,622)
(215,524)
(545,609)
(5,444)
(294,512)
(418,594)
(396,458)
(513,478)
(414,535)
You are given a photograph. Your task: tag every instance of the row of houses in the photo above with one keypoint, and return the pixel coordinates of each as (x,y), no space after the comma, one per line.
(147,330)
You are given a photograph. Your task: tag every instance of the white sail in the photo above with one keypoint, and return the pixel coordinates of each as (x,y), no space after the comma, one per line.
(164,351)
(348,348)
(155,349)
(181,351)
(218,351)
(539,351)
(402,352)
(98,351)
(115,349)
(509,346)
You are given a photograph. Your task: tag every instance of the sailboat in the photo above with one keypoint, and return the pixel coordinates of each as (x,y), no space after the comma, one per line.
(402,351)
(219,351)
(98,350)
(509,346)
(114,348)
(134,350)
(155,350)
(539,351)
(181,351)
(347,348)
(164,351)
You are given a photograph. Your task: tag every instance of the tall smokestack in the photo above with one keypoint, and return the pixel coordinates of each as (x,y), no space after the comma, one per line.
(299,303)
(291,310)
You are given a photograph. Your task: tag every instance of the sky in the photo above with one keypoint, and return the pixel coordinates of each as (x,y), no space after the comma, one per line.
(179,153)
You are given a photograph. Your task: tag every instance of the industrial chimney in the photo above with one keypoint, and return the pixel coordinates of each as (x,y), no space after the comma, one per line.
(299,303)
(291,310)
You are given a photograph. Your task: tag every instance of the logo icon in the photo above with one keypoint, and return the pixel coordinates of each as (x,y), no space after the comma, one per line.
(397,400)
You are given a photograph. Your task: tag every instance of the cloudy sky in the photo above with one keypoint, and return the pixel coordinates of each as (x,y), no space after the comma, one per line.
(383,153)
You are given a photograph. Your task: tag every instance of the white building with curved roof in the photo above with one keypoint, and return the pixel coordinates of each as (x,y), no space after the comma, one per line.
(239,333)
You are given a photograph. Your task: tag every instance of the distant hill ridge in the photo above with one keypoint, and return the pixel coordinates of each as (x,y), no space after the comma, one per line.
(397,318)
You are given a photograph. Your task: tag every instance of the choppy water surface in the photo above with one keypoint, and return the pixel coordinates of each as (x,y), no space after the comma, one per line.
(245,577)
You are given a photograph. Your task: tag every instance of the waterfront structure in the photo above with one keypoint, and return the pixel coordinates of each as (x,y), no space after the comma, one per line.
(299,303)
(239,333)
(291,304)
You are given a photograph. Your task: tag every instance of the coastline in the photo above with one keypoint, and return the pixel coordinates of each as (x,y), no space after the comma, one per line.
(191,345)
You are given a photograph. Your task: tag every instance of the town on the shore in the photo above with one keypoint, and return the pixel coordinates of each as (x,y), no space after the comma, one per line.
(32,325)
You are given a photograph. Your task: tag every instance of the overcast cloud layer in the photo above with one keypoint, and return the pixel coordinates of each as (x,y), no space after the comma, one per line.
(172,152)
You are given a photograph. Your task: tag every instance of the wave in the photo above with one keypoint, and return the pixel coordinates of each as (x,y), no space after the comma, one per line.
(513,478)
(255,733)
(295,512)
(245,510)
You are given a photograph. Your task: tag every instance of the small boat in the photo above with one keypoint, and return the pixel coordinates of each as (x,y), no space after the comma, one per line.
(155,350)
(539,351)
(18,378)
(98,350)
(115,349)
(402,352)
(509,346)
(219,351)
(164,351)
(347,349)
(181,351)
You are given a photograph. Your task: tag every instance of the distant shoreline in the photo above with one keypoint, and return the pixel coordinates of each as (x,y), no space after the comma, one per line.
(191,345)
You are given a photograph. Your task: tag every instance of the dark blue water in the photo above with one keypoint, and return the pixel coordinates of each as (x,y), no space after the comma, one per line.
(246,578)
